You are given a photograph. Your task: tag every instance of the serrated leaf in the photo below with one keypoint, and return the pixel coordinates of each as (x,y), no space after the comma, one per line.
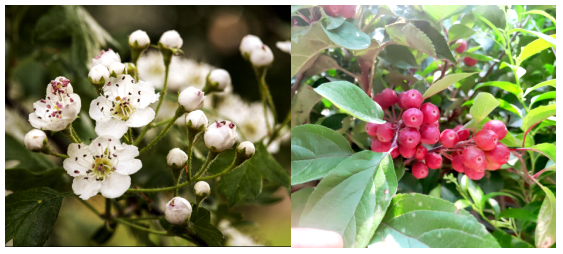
(203,228)
(483,105)
(533,48)
(459,31)
(537,115)
(310,45)
(444,225)
(399,56)
(31,215)
(504,85)
(353,198)
(444,83)
(408,34)
(302,104)
(545,83)
(298,202)
(352,100)
(315,151)
(348,36)
(18,179)
(438,40)
(442,12)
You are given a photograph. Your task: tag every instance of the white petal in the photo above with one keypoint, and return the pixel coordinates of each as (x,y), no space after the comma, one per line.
(147,95)
(126,152)
(104,142)
(36,122)
(86,188)
(72,110)
(141,117)
(57,125)
(128,167)
(115,185)
(112,127)
(70,165)
(95,108)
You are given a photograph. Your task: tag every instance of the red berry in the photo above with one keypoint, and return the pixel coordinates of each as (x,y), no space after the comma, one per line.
(486,140)
(493,166)
(412,117)
(411,99)
(379,99)
(409,137)
(348,11)
(371,129)
(419,170)
(399,103)
(429,134)
(332,10)
(431,113)
(433,160)
(395,152)
(407,152)
(388,97)
(462,135)
(380,147)
(469,61)
(474,174)
(448,138)
(474,158)
(500,154)
(421,152)
(498,127)
(385,132)
(457,163)
(435,124)
(462,46)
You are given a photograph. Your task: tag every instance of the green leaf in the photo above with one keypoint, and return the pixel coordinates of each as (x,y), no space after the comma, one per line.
(298,201)
(474,190)
(499,36)
(31,215)
(438,41)
(545,229)
(510,140)
(302,104)
(442,12)
(103,234)
(352,199)
(468,20)
(504,85)
(542,97)
(348,36)
(304,53)
(416,220)
(509,107)
(409,35)
(546,149)
(18,179)
(494,194)
(315,151)
(399,56)
(420,86)
(537,115)
(322,63)
(444,83)
(352,100)
(478,57)
(295,8)
(519,214)
(545,37)
(492,13)
(533,48)
(459,31)
(542,84)
(204,230)
(332,22)
(483,105)
(540,12)
(35,162)
(245,182)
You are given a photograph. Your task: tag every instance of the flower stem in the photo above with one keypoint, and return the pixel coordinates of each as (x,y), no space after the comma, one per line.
(278,128)
(156,232)
(266,96)
(191,142)
(211,156)
(162,95)
(130,136)
(179,112)
(90,207)
(51,152)
(73,132)
(108,210)
(227,170)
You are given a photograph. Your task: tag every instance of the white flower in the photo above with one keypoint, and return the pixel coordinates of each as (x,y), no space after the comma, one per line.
(284,46)
(220,136)
(221,78)
(249,43)
(103,166)
(249,117)
(191,99)
(99,74)
(141,37)
(248,148)
(178,210)
(262,56)
(117,68)
(34,140)
(171,39)
(196,119)
(106,58)
(202,189)
(58,109)
(176,158)
(123,104)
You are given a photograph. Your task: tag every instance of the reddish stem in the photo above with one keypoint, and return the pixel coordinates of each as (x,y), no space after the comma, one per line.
(526,133)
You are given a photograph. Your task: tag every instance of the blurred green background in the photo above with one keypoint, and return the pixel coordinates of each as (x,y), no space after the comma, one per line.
(39,50)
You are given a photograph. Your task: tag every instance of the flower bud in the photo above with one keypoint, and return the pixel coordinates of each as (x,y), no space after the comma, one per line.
(219,79)
(106,58)
(220,136)
(176,158)
(191,99)
(262,57)
(171,39)
(202,189)
(139,40)
(196,120)
(248,44)
(116,69)
(130,68)
(98,75)
(178,210)
(35,140)
(246,148)
(284,46)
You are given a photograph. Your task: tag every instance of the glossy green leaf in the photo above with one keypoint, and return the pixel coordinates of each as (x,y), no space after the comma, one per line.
(537,115)
(352,100)
(348,36)
(509,241)
(545,37)
(31,215)
(18,179)
(499,36)
(492,195)
(352,199)
(438,40)
(304,53)
(315,151)
(533,48)
(510,140)
(519,214)
(545,229)
(483,105)
(542,97)
(444,83)
(546,149)
(203,229)
(504,85)
(474,190)
(478,57)
(492,13)
(416,220)
(332,22)
(442,12)
(542,84)
(519,70)
(459,31)
(509,107)
(298,201)
(540,12)
(408,34)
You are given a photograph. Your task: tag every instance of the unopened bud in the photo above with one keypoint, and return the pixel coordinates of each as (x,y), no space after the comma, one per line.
(35,140)
(284,46)
(176,158)
(171,39)
(178,211)
(248,44)
(98,75)
(116,69)
(202,189)
(139,40)
(191,99)
(220,136)
(196,120)
(247,149)
(218,79)
(262,57)
(106,58)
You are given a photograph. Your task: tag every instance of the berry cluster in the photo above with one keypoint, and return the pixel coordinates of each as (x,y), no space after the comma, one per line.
(417,125)
(466,60)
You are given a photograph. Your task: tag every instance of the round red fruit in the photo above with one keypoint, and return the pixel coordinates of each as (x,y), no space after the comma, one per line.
(379,99)
(457,163)
(399,103)
(498,127)
(430,112)
(474,174)
(411,99)
(486,140)
(462,135)
(348,11)
(474,158)
(395,152)
(429,134)
(380,147)
(413,117)
(493,166)
(448,138)
(421,152)
(385,132)
(332,10)
(409,137)
(371,129)
(389,97)
(419,170)
(433,160)
(469,61)
(499,154)
(406,152)
(462,46)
